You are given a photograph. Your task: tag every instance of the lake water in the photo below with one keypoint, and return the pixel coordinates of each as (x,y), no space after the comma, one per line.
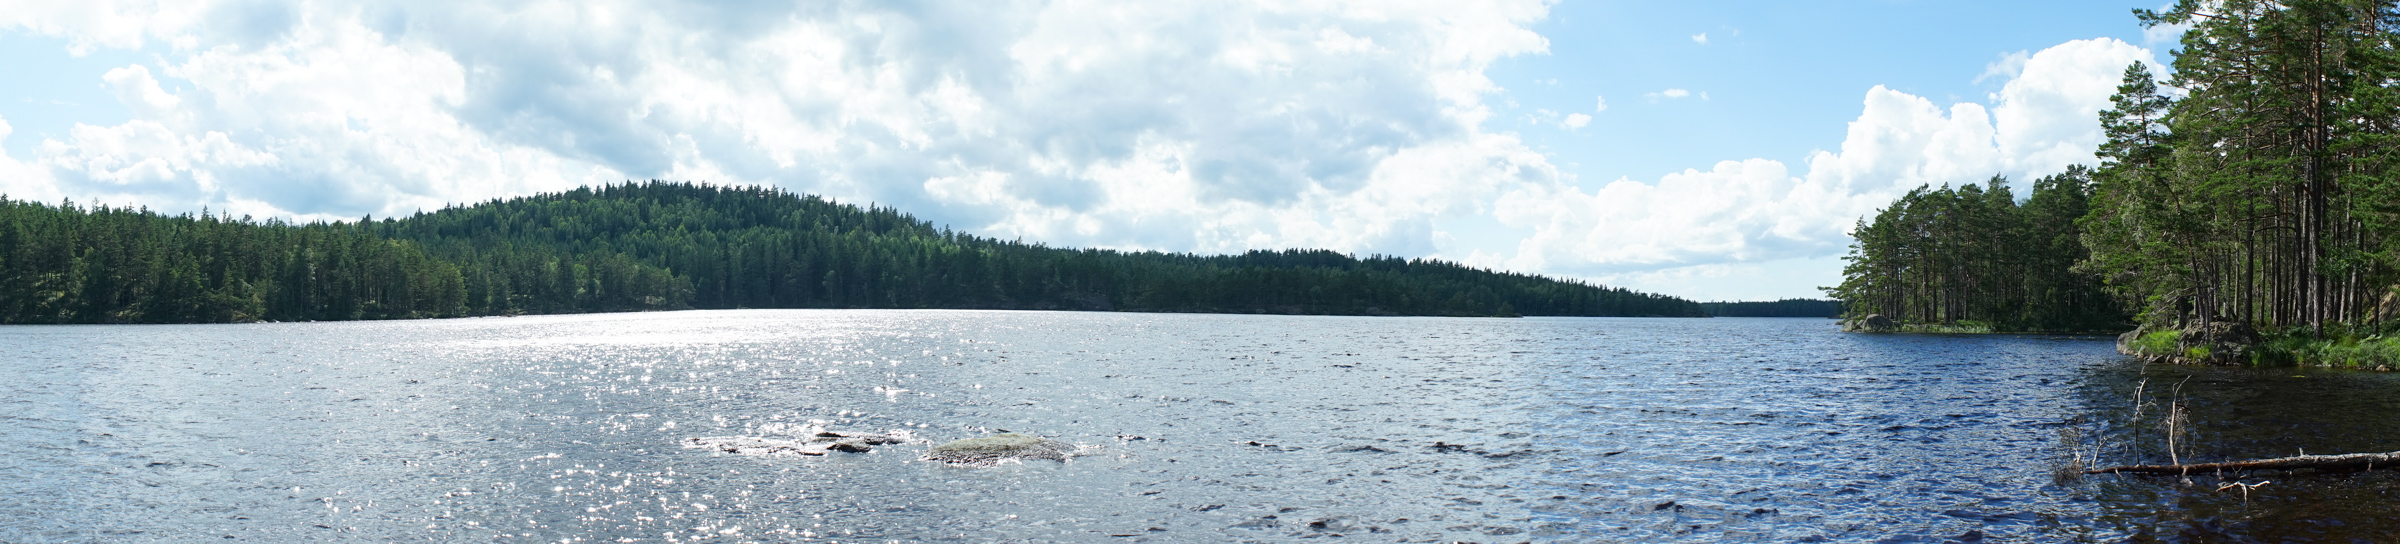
(1194,428)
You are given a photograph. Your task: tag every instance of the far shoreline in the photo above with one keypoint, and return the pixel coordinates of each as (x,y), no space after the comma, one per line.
(1025,310)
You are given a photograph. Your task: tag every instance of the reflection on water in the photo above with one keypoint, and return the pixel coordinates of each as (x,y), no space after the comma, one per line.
(1192,428)
(2246,413)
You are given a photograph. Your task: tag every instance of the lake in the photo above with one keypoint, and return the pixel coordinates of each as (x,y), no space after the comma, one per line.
(1191,428)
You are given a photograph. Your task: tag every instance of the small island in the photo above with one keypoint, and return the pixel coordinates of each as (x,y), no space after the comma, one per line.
(2210,245)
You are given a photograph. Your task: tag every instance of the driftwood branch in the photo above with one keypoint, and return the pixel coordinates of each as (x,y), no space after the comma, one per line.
(2355,461)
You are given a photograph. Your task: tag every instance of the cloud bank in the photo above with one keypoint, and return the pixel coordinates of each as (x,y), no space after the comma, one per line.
(1075,122)
(1738,213)
(1187,126)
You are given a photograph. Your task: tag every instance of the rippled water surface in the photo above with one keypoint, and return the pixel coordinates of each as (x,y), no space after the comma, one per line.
(1194,428)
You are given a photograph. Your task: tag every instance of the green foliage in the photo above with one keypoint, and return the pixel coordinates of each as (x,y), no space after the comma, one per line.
(1938,259)
(2264,190)
(658,245)
(2157,343)
(2302,346)
(2264,193)
(67,264)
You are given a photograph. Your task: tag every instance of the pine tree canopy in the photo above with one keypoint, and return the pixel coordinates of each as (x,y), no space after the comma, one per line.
(2259,184)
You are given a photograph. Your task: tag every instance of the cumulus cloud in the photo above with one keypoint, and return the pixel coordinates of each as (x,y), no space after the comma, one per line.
(2047,116)
(2007,67)
(1740,213)
(1701,38)
(1175,125)
(22,181)
(1353,125)
(1565,121)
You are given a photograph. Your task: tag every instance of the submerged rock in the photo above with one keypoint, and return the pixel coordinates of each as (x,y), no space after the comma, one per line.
(817,444)
(998,448)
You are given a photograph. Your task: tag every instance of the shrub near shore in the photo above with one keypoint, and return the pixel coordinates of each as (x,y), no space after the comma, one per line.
(2288,347)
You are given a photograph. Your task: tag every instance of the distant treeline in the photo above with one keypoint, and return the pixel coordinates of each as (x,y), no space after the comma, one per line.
(1790,307)
(655,246)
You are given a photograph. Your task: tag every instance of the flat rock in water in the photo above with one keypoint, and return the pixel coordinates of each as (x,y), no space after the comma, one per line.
(817,444)
(998,448)
(752,445)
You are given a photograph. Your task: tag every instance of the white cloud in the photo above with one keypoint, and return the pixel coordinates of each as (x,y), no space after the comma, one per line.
(1566,121)
(21,181)
(2048,115)
(103,23)
(1687,217)
(330,121)
(2168,34)
(1071,119)
(1728,220)
(2007,67)
(1751,280)
(1353,125)
(1701,38)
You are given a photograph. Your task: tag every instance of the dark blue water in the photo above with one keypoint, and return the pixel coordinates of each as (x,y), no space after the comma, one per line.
(1194,428)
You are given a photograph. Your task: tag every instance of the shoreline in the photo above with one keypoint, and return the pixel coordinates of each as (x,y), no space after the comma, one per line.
(2226,344)
(1953,332)
(1878,324)
(960,309)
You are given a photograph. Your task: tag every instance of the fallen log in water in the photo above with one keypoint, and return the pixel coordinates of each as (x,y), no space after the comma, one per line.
(2355,461)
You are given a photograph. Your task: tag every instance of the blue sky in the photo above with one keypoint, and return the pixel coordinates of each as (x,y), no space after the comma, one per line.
(1783,77)
(1738,141)
(50,90)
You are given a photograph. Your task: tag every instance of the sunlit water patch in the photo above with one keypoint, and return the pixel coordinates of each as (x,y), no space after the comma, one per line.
(705,427)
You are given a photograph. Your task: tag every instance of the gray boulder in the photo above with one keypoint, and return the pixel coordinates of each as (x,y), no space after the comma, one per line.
(2227,342)
(2125,341)
(2217,342)
(995,449)
(1870,323)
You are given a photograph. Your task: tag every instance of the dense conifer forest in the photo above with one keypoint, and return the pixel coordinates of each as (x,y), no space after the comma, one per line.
(2264,189)
(1974,256)
(658,246)
(2258,186)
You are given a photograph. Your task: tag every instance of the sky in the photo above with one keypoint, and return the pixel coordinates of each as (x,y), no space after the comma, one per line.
(1714,150)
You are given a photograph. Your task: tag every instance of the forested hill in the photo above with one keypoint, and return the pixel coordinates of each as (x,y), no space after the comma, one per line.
(657,246)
